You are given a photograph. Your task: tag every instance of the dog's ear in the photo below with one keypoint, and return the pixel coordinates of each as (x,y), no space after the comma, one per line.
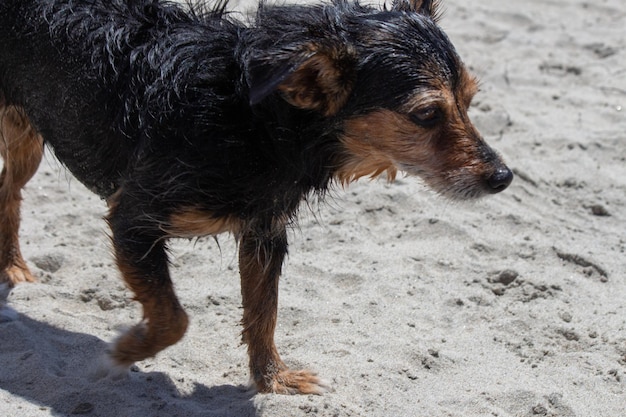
(428,8)
(319,78)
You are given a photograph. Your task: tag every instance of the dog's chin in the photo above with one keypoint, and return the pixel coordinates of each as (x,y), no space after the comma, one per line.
(461,188)
(463,193)
(464,187)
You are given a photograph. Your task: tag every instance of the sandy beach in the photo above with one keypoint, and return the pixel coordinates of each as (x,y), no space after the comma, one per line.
(405,303)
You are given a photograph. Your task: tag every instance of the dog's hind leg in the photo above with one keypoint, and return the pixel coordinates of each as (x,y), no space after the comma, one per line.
(22,149)
(142,260)
(260,260)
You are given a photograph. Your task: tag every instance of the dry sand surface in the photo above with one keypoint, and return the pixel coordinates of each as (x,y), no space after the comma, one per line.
(407,304)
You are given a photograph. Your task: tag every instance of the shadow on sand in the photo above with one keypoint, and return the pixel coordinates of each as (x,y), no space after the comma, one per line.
(35,365)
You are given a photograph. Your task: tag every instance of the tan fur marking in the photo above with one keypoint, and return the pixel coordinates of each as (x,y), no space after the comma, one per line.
(376,143)
(320,83)
(188,223)
(428,98)
(113,199)
(22,149)
(164,320)
(448,156)
(468,88)
(442,95)
(260,269)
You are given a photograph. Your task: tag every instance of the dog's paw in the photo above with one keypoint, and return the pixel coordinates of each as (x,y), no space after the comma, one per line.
(107,368)
(17,273)
(292,382)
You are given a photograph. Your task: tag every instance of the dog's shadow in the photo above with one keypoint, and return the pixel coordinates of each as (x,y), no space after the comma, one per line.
(35,365)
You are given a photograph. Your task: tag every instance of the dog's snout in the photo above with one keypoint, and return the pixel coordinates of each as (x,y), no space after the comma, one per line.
(500,179)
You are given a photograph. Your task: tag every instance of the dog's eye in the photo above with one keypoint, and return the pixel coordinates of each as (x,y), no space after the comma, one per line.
(426,117)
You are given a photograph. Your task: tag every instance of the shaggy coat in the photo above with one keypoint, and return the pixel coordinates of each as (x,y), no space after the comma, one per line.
(189,122)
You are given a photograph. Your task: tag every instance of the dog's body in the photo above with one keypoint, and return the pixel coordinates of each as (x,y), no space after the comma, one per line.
(189,123)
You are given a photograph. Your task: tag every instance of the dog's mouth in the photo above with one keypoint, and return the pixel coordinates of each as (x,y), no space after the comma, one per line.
(463,184)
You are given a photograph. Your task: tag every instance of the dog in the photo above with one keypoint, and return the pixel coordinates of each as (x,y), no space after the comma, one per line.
(189,122)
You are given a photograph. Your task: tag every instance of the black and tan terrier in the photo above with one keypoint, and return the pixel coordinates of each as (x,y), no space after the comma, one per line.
(189,122)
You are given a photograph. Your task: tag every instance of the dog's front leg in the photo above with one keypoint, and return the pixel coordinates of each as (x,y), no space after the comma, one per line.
(261,256)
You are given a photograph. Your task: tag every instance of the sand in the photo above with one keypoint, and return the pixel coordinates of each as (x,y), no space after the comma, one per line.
(405,303)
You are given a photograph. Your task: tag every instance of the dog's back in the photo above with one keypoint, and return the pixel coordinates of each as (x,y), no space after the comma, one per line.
(126,70)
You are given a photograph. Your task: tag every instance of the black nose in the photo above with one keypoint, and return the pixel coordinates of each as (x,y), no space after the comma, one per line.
(500,179)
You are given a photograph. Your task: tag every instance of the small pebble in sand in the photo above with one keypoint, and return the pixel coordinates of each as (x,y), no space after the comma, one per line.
(599,210)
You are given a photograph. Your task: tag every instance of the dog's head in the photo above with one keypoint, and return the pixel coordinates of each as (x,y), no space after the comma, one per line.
(393,84)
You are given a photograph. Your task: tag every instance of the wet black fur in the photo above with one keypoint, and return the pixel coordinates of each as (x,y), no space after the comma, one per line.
(174,107)
(178,106)
(159,108)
